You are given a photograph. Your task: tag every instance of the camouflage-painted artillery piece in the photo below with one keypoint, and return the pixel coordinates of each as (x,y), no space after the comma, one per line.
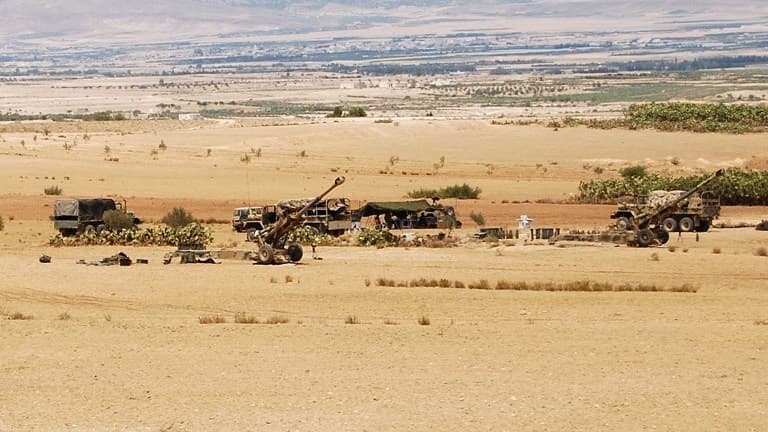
(272,240)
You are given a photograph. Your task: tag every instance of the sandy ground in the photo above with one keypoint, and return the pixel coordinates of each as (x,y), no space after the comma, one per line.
(133,356)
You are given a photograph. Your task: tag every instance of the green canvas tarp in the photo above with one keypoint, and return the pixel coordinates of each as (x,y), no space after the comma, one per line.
(399,208)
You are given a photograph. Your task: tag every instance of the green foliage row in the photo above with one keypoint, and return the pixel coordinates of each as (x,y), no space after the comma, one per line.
(684,116)
(96,116)
(736,187)
(308,236)
(463,191)
(375,237)
(192,234)
(351,112)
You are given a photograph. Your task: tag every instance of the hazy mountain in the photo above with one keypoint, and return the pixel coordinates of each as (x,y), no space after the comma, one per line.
(140,21)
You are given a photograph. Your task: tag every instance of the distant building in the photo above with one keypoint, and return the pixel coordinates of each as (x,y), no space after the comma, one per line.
(190,116)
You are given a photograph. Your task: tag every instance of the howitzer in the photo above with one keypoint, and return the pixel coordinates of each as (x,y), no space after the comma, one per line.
(654,224)
(272,239)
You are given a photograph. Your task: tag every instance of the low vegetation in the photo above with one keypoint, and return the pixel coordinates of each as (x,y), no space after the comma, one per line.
(53,190)
(117,220)
(463,191)
(178,217)
(212,319)
(735,187)
(18,316)
(2,223)
(424,320)
(761,251)
(351,319)
(506,285)
(192,234)
(684,116)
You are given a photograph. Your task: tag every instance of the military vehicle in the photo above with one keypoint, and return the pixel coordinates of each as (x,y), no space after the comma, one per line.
(253,218)
(272,239)
(412,214)
(652,220)
(332,215)
(77,216)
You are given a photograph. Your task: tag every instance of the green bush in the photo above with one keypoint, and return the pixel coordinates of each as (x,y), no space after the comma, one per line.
(306,235)
(53,190)
(477,218)
(635,171)
(116,220)
(178,217)
(463,191)
(374,237)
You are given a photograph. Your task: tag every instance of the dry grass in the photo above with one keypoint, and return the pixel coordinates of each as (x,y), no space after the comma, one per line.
(654,257)
(761,322)
(390,322)
(212,319)
(505,285)
(672,248)
(716,251)
(20,316)
(288,278)
(277,320)
(481,285)
(351,319)
(273,280)
(64,316)
(761,251)
(242,318)
(424,320)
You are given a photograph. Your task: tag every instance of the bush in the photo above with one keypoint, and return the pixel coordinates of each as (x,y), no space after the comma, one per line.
(374,237)
(477,218)
(356,112)
(636,171)
(2,224)
(116,220)
(463,191)
(192,234)
(53,190)
(178,218)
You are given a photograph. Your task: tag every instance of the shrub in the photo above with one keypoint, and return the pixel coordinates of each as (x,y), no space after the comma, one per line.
(477,218)
(2,223)
(212,319)
(116,220)
(19,316)
(482,284)
(374,237)
(277,320)
(463,191)
(53,190)
(761,251)
(242,318)
(64,316)
(352,319)
(716,251)
(178,218)
(424,320)
(356,112)
(636,171)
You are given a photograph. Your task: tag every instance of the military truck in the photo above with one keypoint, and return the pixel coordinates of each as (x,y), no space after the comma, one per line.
(77,216)
(412,214)
(693,213)
(253,218)
(680,212)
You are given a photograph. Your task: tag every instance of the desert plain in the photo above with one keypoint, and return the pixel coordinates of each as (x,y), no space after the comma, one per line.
(122,348)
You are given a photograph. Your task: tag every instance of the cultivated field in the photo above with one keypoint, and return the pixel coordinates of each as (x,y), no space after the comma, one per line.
(122,348)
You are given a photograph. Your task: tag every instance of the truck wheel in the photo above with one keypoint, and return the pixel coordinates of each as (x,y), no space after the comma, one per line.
(252,235)
(662,236)
(669,224)
(645,237)
(686,224)
(295,252)
(100,228)
(266,254)
(622,223)
(703,226)
(89,229)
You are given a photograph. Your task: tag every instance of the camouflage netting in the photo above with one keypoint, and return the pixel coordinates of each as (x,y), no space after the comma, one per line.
(192,234)
(660,198)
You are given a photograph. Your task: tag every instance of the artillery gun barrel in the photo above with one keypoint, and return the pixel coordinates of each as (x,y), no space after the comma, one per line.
(336,183)
(686,195)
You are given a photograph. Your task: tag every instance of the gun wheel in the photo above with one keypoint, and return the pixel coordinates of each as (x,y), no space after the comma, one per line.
(645,237)
(295,252)
(266,254)
(622,224)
